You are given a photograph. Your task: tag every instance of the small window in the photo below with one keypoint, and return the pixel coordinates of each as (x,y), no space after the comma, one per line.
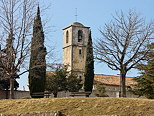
(80,51)
(80,77)
(80,35)
(67,36)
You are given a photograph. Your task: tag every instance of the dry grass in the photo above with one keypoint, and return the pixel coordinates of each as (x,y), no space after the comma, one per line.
(81,106)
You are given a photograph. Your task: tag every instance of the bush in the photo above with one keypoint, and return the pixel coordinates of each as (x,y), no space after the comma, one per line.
(100,91)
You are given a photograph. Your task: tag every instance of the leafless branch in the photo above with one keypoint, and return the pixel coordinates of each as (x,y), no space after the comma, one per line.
(124,39)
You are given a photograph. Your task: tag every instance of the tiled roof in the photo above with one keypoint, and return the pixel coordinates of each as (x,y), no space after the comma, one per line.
(107,79)
(111,80)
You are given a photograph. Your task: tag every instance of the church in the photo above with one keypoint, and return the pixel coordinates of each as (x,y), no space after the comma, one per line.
(75,39)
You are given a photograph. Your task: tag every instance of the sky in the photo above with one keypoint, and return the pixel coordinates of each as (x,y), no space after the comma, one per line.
(91,13)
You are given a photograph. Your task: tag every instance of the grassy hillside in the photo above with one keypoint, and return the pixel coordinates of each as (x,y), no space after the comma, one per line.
(80,106)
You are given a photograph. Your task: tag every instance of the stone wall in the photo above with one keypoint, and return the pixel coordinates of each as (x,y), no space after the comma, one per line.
(3,94)
(21,94)
(25,94)
(110,93)
(17,94)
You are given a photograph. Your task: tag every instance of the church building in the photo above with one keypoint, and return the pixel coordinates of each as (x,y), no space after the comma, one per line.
(75,39)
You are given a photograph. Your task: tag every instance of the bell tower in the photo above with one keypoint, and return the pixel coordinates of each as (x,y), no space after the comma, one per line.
(75,38)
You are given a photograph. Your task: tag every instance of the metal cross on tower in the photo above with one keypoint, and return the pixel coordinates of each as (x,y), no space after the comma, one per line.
(76,14)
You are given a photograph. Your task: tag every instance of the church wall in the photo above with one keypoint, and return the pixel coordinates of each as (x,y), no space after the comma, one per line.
(75,35)
(67,48)
(74,51)
(79,51)
(69,37)
(79,59)
(67,57)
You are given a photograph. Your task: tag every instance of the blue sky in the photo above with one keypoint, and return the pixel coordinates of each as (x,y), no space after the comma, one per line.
(91,13)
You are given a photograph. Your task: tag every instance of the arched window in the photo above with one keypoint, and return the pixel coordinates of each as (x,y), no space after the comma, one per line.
(80,35)
(67,37)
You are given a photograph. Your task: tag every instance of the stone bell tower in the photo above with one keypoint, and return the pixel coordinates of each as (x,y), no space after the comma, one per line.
(75,38)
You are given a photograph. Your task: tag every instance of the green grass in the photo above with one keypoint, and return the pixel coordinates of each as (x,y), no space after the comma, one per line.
(80,106)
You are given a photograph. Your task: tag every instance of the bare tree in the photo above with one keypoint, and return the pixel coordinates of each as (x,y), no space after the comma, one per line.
(124,44)
(16,21)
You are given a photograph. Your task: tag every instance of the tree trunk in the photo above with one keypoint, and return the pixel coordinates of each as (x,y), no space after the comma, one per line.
(122,84)
(7,94)
(11,88)
(55,95)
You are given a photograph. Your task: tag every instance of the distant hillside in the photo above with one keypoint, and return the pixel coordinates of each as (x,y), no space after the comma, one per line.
(80,106)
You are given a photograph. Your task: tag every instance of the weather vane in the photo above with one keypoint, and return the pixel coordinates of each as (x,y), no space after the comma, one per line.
(76,14)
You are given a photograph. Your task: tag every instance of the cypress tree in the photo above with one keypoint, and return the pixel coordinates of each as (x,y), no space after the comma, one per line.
(37,68)
(89,66)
